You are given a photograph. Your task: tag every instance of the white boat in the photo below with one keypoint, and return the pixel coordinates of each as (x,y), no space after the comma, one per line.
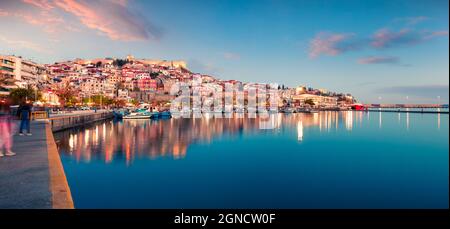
(289,110)
(139,114)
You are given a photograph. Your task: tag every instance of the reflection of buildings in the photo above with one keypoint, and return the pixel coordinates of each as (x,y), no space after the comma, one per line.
(128,139)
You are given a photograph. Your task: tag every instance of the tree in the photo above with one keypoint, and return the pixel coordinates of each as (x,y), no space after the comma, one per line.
(19,95)
(67,96)
(119,102)
(135,102)
(120,62)
(153,75)
(309,102)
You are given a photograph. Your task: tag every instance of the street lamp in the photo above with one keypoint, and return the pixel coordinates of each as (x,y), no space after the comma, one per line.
(439,102)
(407,108)
(379,98)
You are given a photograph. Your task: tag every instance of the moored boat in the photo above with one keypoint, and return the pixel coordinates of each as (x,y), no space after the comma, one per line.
(138,114)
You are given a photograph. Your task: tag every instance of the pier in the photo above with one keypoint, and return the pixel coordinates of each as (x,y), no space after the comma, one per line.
(34,178)
(407,111)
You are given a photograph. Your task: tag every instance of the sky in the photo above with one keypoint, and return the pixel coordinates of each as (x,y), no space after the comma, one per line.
(393,51)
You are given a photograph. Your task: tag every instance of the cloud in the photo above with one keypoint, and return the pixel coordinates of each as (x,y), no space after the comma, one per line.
(3,13)
(111,18)
(384,38)
(332,44)
(43,4)
(379,60)
(40,13)
(428,91)
(231,56)
(22,44)
(436,34)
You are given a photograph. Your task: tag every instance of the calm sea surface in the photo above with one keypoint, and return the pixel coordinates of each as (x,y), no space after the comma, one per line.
(325,160)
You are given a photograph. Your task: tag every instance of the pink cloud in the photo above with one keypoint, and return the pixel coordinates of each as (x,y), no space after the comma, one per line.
(385,38)
(43,4)
(441,33)
(330,44)
(3,13)
(50,22)
(111,18)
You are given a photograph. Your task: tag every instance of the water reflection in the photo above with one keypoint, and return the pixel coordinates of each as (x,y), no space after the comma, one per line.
(407,121)
(300,131)
(439,121)
(380,119)
(130,139)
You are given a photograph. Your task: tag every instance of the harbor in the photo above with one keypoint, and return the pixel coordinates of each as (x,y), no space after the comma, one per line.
(163,161)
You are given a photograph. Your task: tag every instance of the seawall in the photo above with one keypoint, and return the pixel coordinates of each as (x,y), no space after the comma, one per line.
(66,122)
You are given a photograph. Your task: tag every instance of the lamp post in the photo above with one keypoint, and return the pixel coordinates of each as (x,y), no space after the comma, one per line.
(407,98)
(379,99)
(439,102)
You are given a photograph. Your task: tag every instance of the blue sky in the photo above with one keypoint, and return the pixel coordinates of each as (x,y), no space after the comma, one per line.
(372,49)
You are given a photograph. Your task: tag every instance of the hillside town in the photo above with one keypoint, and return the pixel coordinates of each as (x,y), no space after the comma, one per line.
(112,82)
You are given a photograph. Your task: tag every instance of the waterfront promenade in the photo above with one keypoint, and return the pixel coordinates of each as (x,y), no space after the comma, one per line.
(34,178)
(25,178)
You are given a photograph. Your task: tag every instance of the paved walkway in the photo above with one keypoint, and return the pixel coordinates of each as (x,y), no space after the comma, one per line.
(25,178)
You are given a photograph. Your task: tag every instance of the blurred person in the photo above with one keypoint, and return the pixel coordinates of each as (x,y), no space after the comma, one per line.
(6,130)
(24,113)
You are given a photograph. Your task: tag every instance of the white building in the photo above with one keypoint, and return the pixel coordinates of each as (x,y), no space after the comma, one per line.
(23,71)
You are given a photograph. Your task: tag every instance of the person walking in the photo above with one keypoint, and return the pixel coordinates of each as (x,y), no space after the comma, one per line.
(6,130)
(24,113)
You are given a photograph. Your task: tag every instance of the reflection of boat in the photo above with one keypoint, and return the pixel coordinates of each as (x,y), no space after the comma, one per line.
(161,115)
(165,114)
(307,110)
(357,106)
